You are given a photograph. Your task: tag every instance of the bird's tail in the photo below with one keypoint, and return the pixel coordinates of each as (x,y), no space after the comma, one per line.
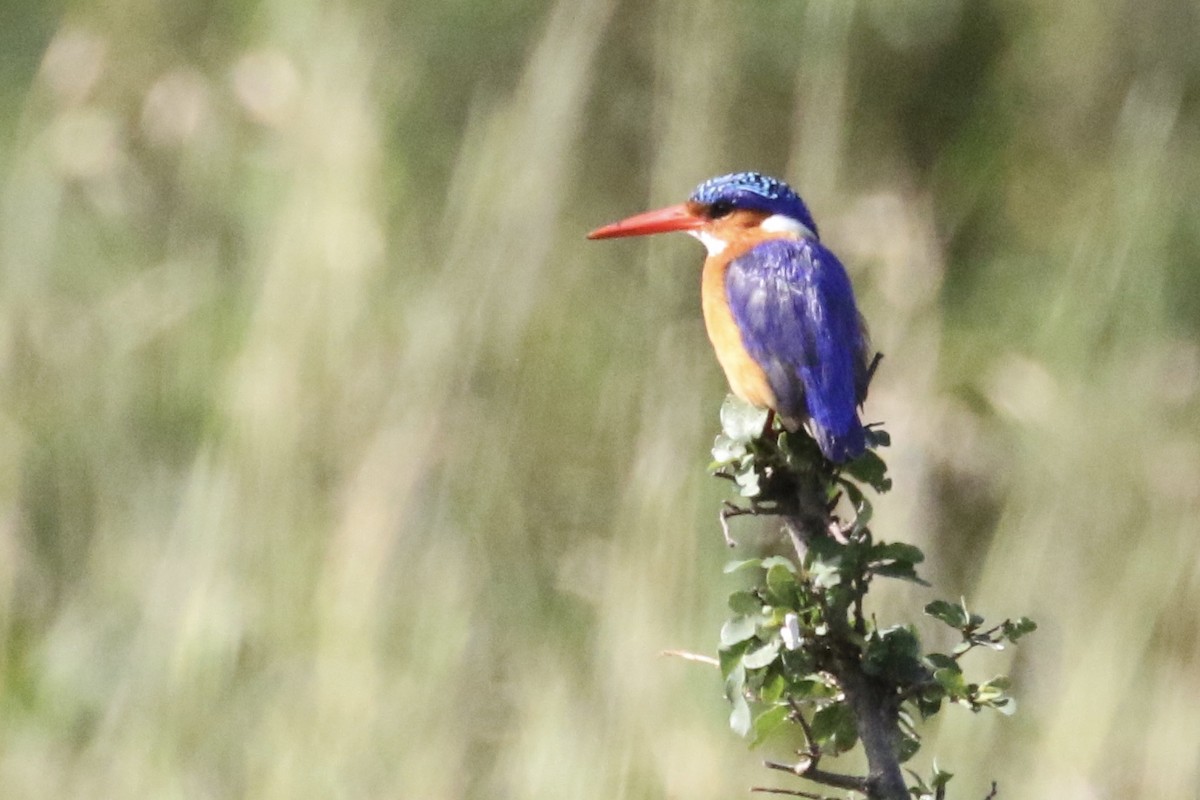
(840,440)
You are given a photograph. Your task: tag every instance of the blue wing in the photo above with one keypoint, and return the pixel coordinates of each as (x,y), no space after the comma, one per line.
(794,306)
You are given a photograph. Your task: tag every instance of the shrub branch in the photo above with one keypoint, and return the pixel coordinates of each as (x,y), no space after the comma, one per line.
(801,648)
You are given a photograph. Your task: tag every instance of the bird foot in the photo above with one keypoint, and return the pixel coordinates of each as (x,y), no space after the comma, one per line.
(768,432)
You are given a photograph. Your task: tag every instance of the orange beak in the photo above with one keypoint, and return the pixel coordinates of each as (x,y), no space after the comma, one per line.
(664,220)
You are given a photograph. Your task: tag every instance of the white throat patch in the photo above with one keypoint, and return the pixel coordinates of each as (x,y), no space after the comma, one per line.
(778,223)
(714,245)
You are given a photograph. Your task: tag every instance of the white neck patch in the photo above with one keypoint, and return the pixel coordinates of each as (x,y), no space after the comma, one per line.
(714,245)
(778,223)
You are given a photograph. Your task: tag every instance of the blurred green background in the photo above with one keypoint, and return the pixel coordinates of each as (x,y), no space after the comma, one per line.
(337,464)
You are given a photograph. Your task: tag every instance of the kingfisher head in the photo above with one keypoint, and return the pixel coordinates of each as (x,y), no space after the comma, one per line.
(722,210)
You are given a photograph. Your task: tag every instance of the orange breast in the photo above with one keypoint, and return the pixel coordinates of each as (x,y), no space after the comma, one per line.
(746,378)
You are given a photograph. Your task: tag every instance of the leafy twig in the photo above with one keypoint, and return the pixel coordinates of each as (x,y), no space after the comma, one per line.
(801,637)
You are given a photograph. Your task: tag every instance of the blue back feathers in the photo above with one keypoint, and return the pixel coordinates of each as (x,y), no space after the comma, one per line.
(756,191)
(794,306)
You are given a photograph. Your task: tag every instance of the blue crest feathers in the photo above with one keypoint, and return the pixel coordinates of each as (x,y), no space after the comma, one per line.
(757,191)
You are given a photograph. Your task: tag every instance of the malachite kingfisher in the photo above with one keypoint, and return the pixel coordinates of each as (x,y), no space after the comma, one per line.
(778,305)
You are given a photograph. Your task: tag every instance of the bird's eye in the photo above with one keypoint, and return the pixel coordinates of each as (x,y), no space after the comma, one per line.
(721,208)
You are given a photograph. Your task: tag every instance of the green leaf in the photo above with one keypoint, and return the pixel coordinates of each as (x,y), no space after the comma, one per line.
(747,479)
(763,656)
(908,725)
(730,658)
(739,716)
(772,689)
(907,747)
(833,728)
(781,584)
(870,469)
(799,449)
(952,614)
(738,629)
(894,654)
(952,681)
(941,661)
(825,548)
(825,575)
(814,687)
(825,562)
(929,701)
(726,451)
(735,566)
(921,790)
(741,421)
(992,694)
(768,721)
(897,551)
(900,570)
(796,662)
(897,560)
(735,683)
(878,437)
(775,616)
(779,561)
(863,512)
(1015,629)
(1006,706)
(743,602)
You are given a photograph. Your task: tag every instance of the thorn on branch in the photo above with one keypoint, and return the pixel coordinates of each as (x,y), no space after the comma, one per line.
(730,510)
(874,365)
(992,794)
(798,536)
(689,656)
